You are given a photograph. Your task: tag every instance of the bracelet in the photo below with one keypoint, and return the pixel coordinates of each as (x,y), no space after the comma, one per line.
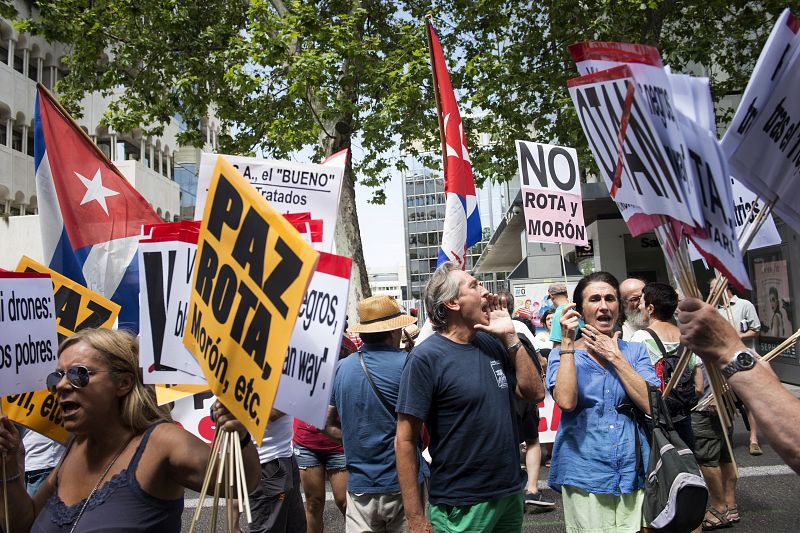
(244,441)
(513,348)
(12,478)
(561,352)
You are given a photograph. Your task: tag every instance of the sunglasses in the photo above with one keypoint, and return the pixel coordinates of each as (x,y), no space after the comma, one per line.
(77,376)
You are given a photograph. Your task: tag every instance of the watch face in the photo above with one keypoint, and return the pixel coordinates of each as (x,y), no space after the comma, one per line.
(745,360)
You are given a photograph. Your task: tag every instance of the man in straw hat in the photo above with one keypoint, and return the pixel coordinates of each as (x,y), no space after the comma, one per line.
(362,414)
(461,382)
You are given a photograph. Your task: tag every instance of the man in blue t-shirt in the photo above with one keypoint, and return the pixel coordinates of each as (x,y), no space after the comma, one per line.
(362,416)
(461,383)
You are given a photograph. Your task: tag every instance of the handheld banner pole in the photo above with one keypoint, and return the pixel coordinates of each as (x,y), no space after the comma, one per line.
(563,263)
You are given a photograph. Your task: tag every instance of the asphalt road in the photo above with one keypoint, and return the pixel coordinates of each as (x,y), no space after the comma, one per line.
(768,495)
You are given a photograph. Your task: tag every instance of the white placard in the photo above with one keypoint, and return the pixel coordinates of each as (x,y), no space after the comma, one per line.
(654,94)
(551,193)
(193,413)
(288,187)
(307,378)
(166,265)
(747,206)
(28,339)
(549,418)
(648,184)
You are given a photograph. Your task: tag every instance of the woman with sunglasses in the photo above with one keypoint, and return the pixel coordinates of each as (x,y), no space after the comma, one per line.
(124,468)
(598,381)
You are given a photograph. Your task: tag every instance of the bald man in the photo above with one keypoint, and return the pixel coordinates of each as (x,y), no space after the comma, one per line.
(630,291)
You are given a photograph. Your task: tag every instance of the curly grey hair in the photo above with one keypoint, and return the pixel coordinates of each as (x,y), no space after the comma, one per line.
(441,288)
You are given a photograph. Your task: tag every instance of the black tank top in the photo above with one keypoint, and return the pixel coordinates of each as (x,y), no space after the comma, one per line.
(119,505)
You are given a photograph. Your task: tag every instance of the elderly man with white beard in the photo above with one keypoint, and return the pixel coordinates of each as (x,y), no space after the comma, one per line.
(630,291)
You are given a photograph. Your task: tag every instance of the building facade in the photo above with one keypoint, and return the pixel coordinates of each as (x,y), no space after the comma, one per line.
(164,173)
(423,215)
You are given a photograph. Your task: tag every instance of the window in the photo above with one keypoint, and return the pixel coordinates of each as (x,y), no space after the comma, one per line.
(33,71)
(3,134)
(18,61)
(16,140)
(30,142)
(4,53)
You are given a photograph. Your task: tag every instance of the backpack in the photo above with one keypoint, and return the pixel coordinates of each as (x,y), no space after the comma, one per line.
(675,494)
(683,397)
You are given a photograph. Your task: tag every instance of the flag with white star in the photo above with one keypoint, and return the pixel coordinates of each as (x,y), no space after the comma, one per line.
(462,222)
(90,216)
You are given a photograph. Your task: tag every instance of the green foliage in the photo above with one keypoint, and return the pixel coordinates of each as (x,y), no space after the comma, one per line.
(282,76)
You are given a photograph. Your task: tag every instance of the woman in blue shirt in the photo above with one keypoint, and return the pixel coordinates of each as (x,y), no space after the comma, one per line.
(596,380)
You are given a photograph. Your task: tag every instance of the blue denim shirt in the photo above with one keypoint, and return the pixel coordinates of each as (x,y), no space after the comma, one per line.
(595,449)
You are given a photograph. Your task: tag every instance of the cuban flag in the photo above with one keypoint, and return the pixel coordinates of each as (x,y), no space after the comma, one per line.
(462,223)
(90,216)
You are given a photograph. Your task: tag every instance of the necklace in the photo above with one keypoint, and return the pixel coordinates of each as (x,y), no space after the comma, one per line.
(97,485)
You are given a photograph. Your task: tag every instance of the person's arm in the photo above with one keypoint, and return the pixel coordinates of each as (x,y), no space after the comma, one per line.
(565,391)
(333,427)
(699,386)
(405,449)
(529,382)
(187,456)
(608,348)
(775,409)
(22,511)
(749,334)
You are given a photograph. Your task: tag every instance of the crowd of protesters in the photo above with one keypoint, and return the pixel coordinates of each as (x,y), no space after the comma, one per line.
(423,437)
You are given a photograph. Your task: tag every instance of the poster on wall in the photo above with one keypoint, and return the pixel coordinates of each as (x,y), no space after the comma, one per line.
(774,302)
(531,300)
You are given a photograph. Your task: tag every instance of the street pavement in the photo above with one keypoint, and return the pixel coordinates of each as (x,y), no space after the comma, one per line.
(768,495)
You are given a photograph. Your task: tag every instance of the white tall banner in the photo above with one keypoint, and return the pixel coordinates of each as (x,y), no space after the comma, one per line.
(288,187)
(763,142)
(166,263)
(647,184)
(551,193)
(28,339)
(307,379)
(193,413)
(720,246)
(747,206)
(655,94)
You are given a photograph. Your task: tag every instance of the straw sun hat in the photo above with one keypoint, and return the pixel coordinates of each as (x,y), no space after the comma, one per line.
(380,313)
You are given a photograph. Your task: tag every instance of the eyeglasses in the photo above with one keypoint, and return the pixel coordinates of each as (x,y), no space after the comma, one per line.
(77,376)
(634,299)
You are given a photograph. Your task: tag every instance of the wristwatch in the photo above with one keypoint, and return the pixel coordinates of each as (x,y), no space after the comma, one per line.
(742,360)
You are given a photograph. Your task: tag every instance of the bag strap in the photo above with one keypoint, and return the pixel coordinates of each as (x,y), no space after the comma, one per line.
(375,389)
(658,341)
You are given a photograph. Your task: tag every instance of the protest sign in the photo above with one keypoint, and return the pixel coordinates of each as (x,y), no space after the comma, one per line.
(250,275)
(767,158)
(654,93)
(747,206)
(772,63)
(305,387)
(720,245)
(288,187)
(38,410)
(28,339)
(166,264)
(549,419)
(170,393)
(193,413)
(632,161)
(551,193)
(76,307)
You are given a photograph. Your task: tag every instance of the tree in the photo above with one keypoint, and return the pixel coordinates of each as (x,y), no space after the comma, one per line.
(282,76)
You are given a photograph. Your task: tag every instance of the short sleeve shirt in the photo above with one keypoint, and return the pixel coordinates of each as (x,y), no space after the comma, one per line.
(745,318)
(595,447)
(464,393)
(555,329)
(368,429)
(644,337)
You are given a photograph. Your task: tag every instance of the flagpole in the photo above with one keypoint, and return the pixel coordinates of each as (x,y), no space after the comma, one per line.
(429,30)
(51,97)
(563,263)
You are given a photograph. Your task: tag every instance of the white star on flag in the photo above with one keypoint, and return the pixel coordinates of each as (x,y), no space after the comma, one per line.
(452,151)
(95,190)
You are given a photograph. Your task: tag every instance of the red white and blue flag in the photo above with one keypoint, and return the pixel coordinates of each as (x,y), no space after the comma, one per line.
(90,216)
(462,223)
